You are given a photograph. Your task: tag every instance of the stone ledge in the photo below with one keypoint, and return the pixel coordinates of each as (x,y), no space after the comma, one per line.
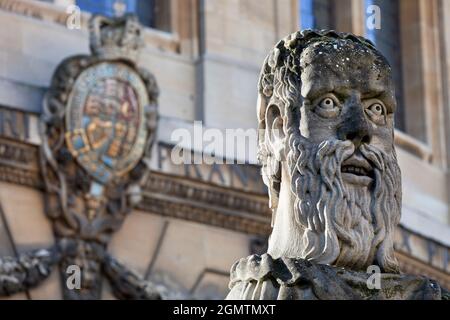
(56,14)
(411,265)
(412,145)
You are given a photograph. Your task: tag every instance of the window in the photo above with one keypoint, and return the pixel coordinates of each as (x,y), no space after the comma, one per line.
(316,14)
(388,42)
(151,13)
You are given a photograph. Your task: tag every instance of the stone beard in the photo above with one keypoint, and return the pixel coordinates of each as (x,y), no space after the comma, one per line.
(335,222)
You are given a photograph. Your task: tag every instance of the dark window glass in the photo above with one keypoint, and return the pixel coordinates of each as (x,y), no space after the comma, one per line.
(151,13)
(387,40)
(316,14)
(306,14)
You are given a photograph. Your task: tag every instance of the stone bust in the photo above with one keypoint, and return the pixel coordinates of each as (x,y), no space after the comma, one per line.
(326,145)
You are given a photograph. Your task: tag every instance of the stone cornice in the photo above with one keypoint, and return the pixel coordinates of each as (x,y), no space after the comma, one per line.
(197,201)
(164,194)
(413,266)
(38,10)
(254,206)
(206,214)
(19,163)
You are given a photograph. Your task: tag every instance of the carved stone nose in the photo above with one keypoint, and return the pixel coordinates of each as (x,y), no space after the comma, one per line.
(358,137)
(356,129)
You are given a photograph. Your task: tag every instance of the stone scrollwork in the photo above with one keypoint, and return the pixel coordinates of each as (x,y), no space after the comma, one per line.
(98,126)
(26,271)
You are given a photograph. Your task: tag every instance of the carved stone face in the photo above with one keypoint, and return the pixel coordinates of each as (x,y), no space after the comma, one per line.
(329,140)
(348,95)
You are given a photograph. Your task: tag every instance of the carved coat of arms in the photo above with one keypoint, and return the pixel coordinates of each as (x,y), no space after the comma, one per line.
(97,128)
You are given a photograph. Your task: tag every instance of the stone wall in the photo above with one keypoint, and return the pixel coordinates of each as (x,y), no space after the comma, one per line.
(207,70)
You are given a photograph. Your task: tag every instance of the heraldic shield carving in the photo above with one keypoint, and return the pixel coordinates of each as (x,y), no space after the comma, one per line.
(97,128)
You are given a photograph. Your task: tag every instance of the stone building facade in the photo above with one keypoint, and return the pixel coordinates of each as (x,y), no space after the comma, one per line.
(196,220)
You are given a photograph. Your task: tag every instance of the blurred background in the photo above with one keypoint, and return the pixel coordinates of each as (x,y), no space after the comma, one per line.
(196,220)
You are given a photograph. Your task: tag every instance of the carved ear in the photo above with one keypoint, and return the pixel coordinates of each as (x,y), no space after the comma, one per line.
(275,134)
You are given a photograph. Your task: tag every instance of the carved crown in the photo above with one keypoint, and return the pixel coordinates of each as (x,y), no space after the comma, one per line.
(115,38)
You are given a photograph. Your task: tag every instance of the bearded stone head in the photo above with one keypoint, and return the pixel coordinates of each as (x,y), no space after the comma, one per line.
(326,144)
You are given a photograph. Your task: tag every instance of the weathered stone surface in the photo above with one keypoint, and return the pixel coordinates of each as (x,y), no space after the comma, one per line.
(326,144)
(26,271)
(262,278)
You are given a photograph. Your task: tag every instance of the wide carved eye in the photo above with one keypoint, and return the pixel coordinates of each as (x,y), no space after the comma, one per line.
(327,103)
(328,106)
(377,109)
